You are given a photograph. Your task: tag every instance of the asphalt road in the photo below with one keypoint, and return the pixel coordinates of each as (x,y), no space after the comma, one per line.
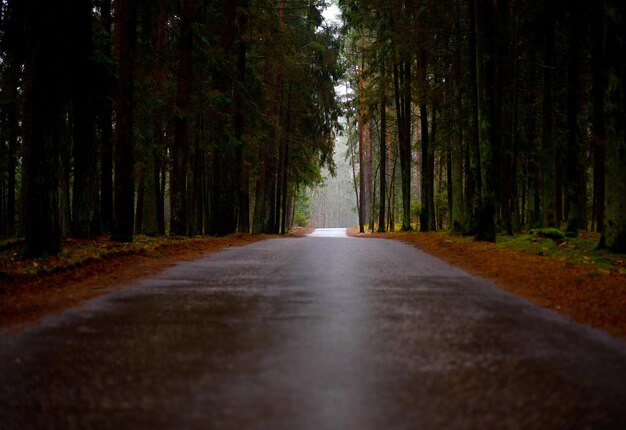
(320,332)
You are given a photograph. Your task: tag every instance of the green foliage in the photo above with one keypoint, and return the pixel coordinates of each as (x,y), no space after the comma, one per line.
(302,216)
(549,233)
(581,250)
(416,208)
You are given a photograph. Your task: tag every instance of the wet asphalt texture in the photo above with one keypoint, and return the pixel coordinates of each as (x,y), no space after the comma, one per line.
(320,332)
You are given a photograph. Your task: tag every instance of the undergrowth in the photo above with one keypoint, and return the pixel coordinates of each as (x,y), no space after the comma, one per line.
(76,252)
(553,243)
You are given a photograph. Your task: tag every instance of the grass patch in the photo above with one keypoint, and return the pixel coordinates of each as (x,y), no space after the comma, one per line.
(548,233)
(580,251)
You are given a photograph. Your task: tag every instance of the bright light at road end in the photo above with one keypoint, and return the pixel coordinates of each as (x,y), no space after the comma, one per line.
(332,14)
(329,232)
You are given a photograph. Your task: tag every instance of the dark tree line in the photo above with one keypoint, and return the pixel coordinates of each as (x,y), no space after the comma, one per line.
(509,114)
(163,116)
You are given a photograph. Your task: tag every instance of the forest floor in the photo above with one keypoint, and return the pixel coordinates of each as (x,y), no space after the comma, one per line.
(568,276)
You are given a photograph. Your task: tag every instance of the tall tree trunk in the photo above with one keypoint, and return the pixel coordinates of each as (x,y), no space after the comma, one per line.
(13,43)
(259,196)
(362,125)
(65,173)
(505,80)
(85,210)
(488,116)
(432,217)
(574,154)
(180,149)
(285,168)
(124,187)
(547,134)
(150,221)
(383,148)
(43,120)
(598,115)
(105,121)
(154,145)
(12,124)
(369,207)
(455,173)
(243,179)
(354,182)
(425,221)
(402,89)
(474,201)
(614,233)
(225,181)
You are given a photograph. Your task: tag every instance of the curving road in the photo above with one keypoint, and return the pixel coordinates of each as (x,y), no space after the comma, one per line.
(323,332)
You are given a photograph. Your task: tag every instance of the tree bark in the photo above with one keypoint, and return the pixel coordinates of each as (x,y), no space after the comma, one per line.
(488,116)
(180,149)
(474,200)
(614,233)
(105,120)
(243,180)
(598,116)
(547,135)
(575,192)
(361,125)
(402,90)
(43,120)
(424,215)
(457,212)
(85,210)
(383,148)
(124,186)
(432,216)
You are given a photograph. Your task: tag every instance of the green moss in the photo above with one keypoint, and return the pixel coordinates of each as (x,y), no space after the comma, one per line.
(549,233)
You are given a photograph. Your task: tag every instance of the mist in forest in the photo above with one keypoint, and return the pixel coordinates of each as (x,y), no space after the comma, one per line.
(333,203)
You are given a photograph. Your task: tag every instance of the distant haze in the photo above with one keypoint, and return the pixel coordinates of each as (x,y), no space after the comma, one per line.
(334,203)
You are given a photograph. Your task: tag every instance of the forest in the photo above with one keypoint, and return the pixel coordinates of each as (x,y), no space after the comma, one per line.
(208,117)
(484,116)
(161,116)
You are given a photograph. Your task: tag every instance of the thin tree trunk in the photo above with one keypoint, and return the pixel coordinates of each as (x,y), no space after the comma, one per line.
(285,169)
(243,180)
(598,116)
(139,207)
(455,170)
(425,146)
(383,149)
(105,121)
(474,200)
(432,218)
(353,163)
(361,125)
(12,82)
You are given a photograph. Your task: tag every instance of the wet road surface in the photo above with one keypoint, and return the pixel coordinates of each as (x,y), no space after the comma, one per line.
(323,332)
